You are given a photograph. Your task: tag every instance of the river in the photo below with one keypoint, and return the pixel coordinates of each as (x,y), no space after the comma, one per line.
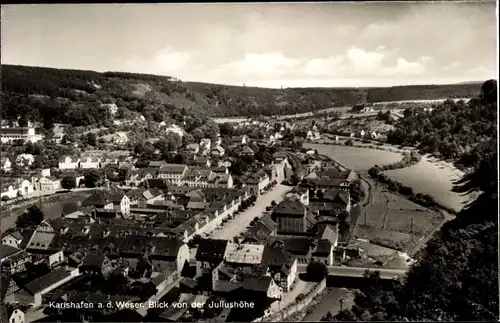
(50,210)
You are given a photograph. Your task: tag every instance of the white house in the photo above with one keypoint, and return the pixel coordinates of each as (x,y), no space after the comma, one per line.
(69,162)
(25,187)
(6,164)
(45,284)
(205,144)
(313,135)
(374,135)
(90,162)
(12,189)
(25,160)
(17,316)
(48,183)
(13,239)
(324,252)
(9,135)
(194,148)
(9,191)
(362,133)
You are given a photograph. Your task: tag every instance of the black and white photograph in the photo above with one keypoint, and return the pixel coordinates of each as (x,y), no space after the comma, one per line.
(249,162)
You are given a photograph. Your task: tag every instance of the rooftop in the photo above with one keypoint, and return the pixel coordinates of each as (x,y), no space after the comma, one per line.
(244,253)
(6,251)
(46,281)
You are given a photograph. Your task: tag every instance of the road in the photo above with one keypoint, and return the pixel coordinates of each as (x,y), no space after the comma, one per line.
(331,303)
(358,271)
(240,222)
(300,287)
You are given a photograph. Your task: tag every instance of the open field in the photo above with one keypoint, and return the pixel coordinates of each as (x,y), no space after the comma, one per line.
(395,222)
(434,178)
(354,157)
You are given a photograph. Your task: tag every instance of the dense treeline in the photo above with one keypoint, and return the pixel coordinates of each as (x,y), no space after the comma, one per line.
(456,275)
(420,92)
(77,90)
(452,130)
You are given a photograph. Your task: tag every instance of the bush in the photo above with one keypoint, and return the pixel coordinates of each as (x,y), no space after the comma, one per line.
(68,182)
(316,271)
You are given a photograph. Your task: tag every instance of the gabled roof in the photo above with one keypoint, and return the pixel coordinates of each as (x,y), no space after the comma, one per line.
(149,171)
(172,169)
(211,250)
(297,245)
(247,150)
(257,284)
(41,240)
(6,251)
(243,253)
(14,234)
(219,149)
(337,195)
(290,207)
(70,207)
(104,197)
(327,232)
(278,258)
(94,260)
(197,205)
(153,164)
(46,281)
(323,248)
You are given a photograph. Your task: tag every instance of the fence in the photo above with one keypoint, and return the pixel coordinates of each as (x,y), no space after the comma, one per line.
(295,307)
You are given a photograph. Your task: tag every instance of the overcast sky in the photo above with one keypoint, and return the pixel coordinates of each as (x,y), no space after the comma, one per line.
(271,45)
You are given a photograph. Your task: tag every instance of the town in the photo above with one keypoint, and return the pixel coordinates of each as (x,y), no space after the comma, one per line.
(248,163)
(247,234)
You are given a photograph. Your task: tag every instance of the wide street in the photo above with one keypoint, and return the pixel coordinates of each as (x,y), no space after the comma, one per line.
(240,222)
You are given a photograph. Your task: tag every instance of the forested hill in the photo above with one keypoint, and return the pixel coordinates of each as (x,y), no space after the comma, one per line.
(78,94)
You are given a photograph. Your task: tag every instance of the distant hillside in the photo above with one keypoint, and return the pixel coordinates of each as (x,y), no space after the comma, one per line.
(71,95)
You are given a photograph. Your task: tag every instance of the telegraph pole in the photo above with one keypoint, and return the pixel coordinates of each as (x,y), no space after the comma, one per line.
(365,218)
(40,196)
(411,224)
